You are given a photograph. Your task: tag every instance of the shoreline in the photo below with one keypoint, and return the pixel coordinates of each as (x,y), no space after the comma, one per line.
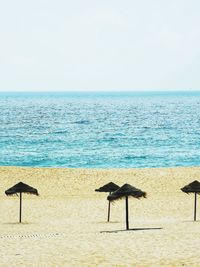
(77,168)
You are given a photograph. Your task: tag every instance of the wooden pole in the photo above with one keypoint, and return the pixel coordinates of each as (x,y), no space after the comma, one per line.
(20,208)
(195,205)
(127,222)
(109,210)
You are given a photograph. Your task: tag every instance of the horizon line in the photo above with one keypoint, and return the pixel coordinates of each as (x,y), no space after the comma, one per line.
(106,91)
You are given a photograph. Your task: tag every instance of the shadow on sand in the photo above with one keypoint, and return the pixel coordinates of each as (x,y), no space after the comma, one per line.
(133,229)
(17,223)
(105,222)
(190,221)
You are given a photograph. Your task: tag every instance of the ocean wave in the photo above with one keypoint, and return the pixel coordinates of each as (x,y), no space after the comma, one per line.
(82,122)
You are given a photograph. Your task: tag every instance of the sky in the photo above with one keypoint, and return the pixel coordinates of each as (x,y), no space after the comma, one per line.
(90,45)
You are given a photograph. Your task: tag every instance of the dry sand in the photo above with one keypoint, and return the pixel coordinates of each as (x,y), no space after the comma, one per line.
(63,226)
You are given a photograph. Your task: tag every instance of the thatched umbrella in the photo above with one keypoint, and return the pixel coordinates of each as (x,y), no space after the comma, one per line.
(125,191)
(21,188)
(193,187)
(110,187)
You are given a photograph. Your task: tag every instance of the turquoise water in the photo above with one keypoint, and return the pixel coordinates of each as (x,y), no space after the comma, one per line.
(100,130)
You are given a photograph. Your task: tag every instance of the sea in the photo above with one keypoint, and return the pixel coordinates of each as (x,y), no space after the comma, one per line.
(100,130)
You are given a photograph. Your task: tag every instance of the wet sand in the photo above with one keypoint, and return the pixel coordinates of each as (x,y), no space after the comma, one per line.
(66,225)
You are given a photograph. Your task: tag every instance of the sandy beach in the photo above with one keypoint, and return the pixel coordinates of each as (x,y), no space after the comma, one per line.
(66,225)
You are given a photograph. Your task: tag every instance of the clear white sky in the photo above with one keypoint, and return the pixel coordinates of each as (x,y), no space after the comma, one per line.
(99,45)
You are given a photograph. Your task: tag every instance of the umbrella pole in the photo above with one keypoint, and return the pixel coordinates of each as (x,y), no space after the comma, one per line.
(127,222)
(109,209)
(195,205)
(20,208)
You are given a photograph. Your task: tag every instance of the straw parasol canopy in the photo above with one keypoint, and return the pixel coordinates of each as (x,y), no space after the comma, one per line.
(193,187)
(110,187)
(124,192)
(21,188)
